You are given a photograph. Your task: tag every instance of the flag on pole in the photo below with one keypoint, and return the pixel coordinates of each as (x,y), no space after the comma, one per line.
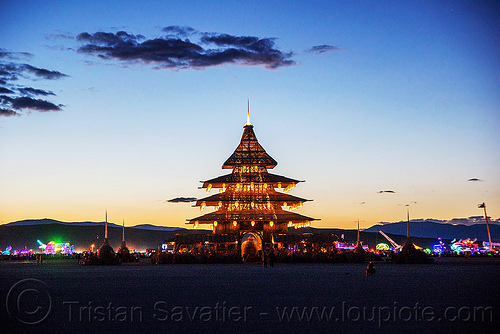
(482,205)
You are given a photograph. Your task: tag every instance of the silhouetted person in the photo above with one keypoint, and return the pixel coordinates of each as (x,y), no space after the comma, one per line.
(272,258)
(264,259)
(370,270)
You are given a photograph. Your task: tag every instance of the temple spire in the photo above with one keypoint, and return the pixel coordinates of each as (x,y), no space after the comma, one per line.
(358,230)
(106,226)
(248,113)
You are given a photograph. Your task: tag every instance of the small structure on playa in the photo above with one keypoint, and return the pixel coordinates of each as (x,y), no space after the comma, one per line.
(123,253)
(106,255)
(408,253)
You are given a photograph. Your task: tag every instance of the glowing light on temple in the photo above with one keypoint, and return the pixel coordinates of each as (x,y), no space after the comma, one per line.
(248,113)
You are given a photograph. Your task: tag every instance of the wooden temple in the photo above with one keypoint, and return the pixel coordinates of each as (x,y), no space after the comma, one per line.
(250,200)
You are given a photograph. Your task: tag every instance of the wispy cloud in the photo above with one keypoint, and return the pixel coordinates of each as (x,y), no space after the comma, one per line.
(44,73)
(35,91)
(25,102)
(175,51)
(20,97)
(4,90)
(8,112)
(474,180)
(323,48)
(182,200)
(4,54)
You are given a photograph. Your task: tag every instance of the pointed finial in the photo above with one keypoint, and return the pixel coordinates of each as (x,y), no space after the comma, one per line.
(106,226)
(358,230)
(248,112)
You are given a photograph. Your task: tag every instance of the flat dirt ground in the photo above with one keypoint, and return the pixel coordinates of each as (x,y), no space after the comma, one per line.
(454,295)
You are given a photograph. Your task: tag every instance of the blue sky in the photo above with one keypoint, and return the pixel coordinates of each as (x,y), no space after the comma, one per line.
(405,98)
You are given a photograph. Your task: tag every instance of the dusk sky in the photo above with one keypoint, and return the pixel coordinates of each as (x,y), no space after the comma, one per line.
(123,105)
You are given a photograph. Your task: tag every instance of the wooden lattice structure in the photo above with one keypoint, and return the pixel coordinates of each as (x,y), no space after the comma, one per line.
(250,199)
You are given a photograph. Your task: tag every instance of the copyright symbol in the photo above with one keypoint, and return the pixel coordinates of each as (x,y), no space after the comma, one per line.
(28,301)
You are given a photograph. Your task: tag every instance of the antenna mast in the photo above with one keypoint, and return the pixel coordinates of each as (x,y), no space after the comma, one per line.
(408,222)
(106,227)
(358,230)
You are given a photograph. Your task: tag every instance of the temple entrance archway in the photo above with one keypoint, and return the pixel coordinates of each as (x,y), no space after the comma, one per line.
(251,245)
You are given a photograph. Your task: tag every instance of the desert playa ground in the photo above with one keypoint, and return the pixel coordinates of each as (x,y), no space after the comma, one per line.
(454,295)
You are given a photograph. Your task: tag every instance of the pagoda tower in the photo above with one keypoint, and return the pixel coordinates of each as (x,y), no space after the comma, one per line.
(250,199)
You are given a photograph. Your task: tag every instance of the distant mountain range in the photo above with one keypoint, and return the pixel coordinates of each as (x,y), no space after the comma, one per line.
(431,228)
(473,220)
(25,233)
(47,221)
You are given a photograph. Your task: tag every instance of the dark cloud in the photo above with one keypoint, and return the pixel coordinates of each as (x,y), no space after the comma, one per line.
(175,52)
(106,38)
(22,98)
(179,31)
(34,91)
(25,102)
(386,191)
(12,71)
(8,112)
(44,73)
(323,48)
(14,55)
(4,90)
(182,200)
(474,180)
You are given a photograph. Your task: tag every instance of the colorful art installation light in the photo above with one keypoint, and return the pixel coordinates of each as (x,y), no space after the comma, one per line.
(383,247)
(7,250)
(348,246)
(53,247)
(464,246)
(17,252)
(437,248)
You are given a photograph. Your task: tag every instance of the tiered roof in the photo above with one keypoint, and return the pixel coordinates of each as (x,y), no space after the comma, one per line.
(272,198)
(277,181)
(247,198)
(249,152)
(252,215)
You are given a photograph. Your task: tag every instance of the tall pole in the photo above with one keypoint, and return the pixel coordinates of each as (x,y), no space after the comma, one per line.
(408,222)
(358,231)
(123,231)
(106,227)
(482,205)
